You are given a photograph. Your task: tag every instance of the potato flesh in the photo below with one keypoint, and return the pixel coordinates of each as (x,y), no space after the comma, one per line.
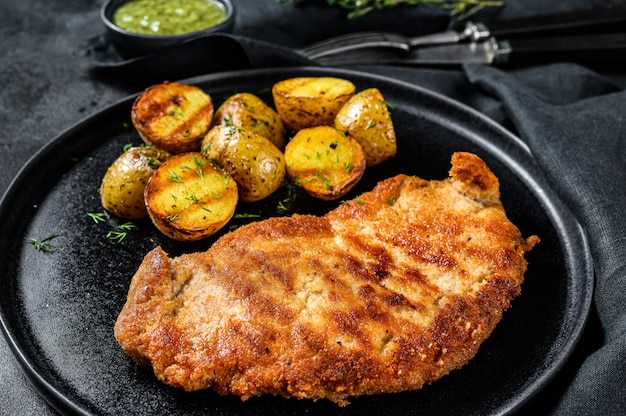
(175,113)
(304,102)
(314,87)
(189,197)
(324,162)
(173,116)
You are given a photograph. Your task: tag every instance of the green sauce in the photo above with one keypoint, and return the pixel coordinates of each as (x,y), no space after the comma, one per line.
(168,17)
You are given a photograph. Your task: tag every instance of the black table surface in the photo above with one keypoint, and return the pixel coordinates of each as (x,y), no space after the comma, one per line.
(49,84)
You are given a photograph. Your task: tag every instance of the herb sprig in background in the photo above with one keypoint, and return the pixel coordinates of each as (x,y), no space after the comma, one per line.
(461,9)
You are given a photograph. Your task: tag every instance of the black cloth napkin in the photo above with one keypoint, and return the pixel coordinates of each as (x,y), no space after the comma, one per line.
(574,121)
(218,52)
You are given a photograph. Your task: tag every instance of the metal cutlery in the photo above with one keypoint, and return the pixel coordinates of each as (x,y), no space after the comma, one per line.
(366,40)
(597,36)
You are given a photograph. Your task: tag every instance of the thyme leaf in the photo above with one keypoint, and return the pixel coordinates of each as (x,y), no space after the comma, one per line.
(461,9)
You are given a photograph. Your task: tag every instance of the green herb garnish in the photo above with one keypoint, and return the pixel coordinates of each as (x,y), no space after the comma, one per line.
(97,216)
(458,8)
(245,215)
(117,236)
(127,226)
(45,244)
(174,177)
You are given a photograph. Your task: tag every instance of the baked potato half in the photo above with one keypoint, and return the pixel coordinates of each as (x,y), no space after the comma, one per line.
(252,160)
(325,162)
(366,117)
(122,187)
(248,111)
(189,197)
(173,116)
(305,102)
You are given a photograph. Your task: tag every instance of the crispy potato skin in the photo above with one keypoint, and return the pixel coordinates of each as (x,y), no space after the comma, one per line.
(252,160)
(189,197)
(366,118)
(310,101)
(122,187)
(173,116)
(248,111)
(324,162)
(384,294)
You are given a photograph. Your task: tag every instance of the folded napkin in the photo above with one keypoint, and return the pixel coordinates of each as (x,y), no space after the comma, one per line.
(574,121)
(200,55)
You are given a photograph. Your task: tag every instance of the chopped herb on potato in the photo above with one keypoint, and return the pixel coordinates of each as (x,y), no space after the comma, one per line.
(324,162)
(189,197)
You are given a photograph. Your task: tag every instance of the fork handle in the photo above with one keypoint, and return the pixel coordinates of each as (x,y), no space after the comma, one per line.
(589,49)
(579,23)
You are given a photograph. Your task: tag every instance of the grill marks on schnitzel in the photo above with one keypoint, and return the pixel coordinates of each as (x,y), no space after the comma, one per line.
(383,294)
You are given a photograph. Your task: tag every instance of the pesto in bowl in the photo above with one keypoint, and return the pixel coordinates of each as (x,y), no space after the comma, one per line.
(137,27)
(168,17)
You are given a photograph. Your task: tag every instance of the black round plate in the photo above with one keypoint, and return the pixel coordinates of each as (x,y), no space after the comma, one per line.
(58,307)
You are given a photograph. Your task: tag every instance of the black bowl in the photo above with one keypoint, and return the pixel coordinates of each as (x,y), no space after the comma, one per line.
(133,44)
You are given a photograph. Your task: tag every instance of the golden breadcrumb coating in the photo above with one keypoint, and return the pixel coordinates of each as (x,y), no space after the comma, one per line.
(384,294)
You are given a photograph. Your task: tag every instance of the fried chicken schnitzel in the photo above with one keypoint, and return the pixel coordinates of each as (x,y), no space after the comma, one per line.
(383,294)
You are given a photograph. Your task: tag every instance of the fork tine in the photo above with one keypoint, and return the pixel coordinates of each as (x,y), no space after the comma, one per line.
(352,41)
(339,41)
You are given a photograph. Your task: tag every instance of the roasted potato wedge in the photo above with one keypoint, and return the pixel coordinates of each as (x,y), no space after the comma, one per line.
(189,197)
(173,116)
(248,111)
(310,101)
(325,162)
(366,118)
(254,162)
(122,187)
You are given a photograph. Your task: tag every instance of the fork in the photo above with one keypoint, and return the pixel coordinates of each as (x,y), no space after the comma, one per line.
(579,22)
(365,40)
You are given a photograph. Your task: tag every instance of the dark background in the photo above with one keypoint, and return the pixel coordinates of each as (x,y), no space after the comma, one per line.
(572,117)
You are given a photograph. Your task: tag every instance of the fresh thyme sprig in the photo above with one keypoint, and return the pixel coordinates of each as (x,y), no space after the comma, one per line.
(461,9)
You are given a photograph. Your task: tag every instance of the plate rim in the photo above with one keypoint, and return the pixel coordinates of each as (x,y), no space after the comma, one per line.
(558,210)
